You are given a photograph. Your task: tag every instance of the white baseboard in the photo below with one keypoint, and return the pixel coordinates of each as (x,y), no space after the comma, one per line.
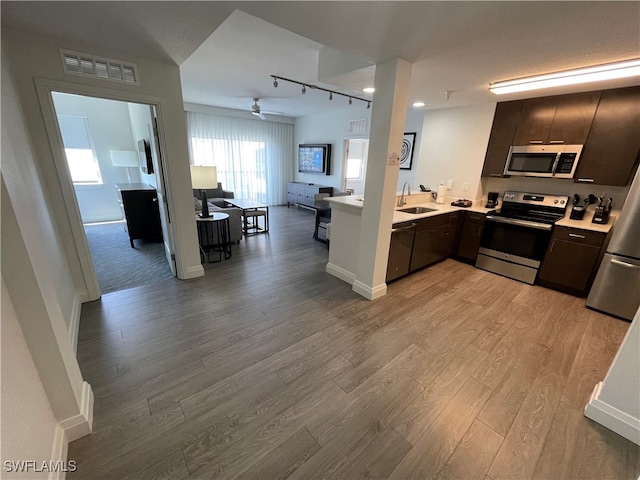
(81,424)
(341,273)
(192,272)
(368,292)
(59,453)
(610,417)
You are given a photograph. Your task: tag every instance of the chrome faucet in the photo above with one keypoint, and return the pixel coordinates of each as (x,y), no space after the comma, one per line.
(401,201)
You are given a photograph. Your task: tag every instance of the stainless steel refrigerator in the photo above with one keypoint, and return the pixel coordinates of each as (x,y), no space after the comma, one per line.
(616,289)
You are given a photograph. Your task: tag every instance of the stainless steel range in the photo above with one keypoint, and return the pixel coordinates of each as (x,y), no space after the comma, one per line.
(516,237)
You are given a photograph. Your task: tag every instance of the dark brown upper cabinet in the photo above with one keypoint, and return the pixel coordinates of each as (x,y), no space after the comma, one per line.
(610,154)
(564,119)
(505,122)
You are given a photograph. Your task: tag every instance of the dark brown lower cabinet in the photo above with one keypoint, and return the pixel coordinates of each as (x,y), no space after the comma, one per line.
(470,235)
(435,240)
(571,260)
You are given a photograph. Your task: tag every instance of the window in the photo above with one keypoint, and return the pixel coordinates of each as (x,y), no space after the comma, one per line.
(78,148)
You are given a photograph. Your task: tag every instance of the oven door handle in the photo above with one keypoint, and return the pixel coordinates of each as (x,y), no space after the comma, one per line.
(520,223)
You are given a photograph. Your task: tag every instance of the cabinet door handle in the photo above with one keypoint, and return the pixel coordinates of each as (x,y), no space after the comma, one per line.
(556,141)
(536,141)
(479,230)
(624,264)
(553,242)
(575,235)
(586,180)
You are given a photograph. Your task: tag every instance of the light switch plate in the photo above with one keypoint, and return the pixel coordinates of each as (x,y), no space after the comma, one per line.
(450,184)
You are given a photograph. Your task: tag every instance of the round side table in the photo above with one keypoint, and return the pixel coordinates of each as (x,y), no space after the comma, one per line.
(214,237)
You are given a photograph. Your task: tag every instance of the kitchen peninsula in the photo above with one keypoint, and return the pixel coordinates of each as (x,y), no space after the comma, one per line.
(442,226)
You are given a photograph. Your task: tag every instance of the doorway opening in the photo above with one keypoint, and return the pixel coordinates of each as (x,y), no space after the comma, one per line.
(355,164)
(101,139)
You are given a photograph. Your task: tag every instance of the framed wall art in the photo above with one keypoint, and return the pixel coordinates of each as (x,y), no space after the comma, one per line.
(406,155)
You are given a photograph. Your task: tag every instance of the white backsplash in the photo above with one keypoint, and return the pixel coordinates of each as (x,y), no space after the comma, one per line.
(553,186)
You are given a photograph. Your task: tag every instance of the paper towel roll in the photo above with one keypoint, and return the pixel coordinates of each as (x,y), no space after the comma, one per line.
(442,193)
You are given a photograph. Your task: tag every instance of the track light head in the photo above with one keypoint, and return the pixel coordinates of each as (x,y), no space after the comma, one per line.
(350,100)
(368,105)
(330,95)
(275,82)
(304,89)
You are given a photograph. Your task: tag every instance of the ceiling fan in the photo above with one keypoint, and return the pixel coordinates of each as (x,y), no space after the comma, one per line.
(255,109)
(258,112)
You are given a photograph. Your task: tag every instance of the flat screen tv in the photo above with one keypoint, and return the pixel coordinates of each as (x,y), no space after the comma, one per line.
(144,152)
(314,158)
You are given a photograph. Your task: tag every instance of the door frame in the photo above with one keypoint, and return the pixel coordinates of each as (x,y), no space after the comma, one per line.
(345,158)
(44,90)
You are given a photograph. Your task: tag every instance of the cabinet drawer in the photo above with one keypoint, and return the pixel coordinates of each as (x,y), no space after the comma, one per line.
(577,235)
(475,217)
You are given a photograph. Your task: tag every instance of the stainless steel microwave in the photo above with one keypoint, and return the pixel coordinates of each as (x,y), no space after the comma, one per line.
(556,161)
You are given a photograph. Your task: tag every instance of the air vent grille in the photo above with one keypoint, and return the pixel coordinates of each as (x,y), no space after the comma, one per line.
(358,126)
(108,69)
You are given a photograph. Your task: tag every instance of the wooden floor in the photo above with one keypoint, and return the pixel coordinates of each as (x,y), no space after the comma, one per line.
(269,368)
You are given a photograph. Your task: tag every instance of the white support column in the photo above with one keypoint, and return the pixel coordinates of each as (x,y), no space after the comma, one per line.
(388,115)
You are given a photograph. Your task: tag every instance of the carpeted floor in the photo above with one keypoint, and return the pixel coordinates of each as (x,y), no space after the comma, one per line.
(120,267)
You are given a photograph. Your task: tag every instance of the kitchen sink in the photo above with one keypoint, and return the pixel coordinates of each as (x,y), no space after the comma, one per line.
(417,210)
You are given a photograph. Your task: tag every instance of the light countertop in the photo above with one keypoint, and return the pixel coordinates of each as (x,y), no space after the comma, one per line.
(355,202)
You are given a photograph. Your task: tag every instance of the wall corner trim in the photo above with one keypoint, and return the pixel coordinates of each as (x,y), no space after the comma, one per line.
(81,424)
(369,292)
(74,322)
(193,272)
(610,417)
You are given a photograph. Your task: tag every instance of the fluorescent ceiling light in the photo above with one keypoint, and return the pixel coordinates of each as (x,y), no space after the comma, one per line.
(418,104)
(368,90)
(597,73)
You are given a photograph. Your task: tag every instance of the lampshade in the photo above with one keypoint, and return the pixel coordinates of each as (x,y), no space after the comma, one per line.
(124,158)
(203,177)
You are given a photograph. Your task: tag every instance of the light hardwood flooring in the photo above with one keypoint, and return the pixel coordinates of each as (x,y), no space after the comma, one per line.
(269,368)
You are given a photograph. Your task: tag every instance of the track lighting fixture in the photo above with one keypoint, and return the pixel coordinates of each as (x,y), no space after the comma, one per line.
(314,87)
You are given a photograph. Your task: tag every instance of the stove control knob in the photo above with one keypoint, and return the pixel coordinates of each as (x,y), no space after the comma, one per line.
(561,202)
(555,201)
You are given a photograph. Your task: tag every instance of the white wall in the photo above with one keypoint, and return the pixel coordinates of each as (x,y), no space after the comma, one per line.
(615,402)
(109,128)
(159,83)
(453,145)
(28,424)
(331,127)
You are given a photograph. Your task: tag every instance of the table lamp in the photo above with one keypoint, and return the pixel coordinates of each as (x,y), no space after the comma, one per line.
(201,179)
(124,158)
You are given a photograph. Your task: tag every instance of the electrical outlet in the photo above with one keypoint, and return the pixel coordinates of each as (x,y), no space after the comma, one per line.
(450,184)
(465,186)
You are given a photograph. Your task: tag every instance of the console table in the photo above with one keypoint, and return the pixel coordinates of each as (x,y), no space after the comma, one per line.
(214,236)
(304,194)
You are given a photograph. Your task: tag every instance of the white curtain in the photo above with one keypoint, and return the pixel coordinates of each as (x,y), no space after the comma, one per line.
(253,157)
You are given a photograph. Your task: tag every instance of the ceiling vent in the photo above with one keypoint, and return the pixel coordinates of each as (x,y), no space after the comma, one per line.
(76,63)
(357,126)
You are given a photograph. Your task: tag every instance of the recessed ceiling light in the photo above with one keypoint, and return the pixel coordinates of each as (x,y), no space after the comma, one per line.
(368,90)
(418,104)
